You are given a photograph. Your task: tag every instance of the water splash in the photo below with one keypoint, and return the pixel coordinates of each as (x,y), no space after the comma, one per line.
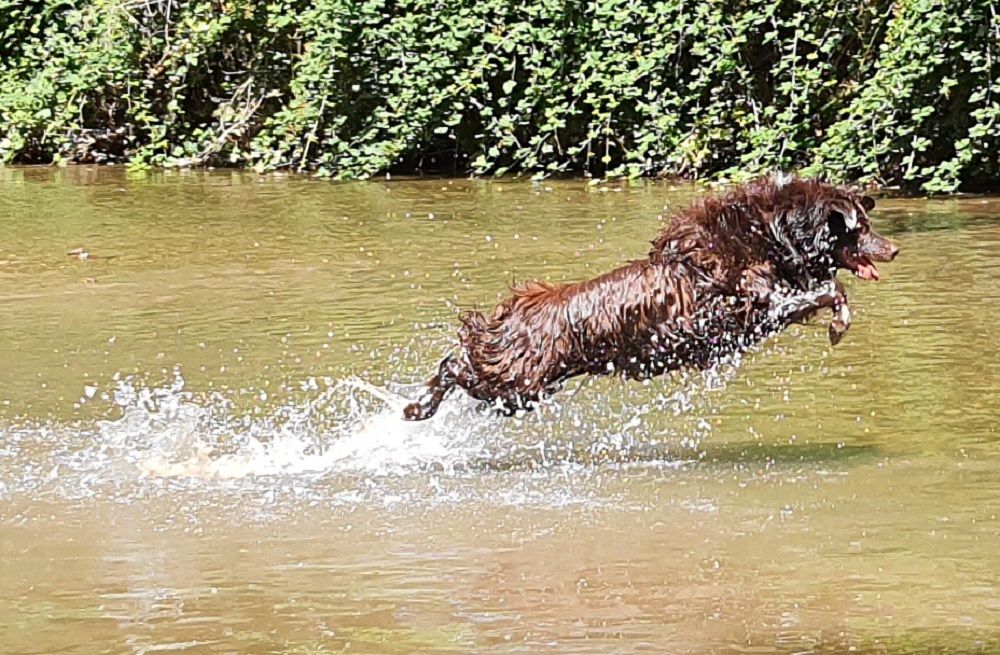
(322,429)
(346,426)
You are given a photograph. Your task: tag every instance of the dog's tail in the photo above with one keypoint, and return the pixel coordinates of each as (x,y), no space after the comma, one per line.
(448,376)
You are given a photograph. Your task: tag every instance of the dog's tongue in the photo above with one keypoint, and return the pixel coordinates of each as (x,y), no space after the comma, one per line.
(866,270)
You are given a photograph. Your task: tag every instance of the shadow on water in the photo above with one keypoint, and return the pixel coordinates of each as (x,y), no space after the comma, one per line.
(736,455)
(913,642)
(783,454)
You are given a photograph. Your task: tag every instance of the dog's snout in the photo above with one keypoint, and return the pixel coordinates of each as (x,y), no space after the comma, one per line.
(876,247)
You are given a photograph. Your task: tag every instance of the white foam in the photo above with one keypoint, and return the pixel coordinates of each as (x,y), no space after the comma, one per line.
(374,440)
(346,431)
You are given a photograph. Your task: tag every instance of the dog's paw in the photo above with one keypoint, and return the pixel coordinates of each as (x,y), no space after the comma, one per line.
(837,331)
(414,412)
(840,324)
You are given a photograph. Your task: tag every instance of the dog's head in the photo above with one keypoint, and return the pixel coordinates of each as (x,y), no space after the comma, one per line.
(856,245)
(827,228)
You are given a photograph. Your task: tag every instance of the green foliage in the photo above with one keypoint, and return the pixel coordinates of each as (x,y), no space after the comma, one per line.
(886,92)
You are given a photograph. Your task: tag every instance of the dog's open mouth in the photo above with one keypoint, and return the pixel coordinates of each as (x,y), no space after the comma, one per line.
(859,265)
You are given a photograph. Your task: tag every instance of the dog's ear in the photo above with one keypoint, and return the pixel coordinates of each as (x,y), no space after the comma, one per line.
(845,212)
(842,216)
(868,203)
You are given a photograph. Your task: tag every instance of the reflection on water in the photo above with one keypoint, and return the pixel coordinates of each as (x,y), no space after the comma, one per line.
(200,447)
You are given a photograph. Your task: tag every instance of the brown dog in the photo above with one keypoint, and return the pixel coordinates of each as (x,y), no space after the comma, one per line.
(723,275)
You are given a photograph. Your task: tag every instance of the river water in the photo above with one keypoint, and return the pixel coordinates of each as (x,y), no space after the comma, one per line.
(200,450)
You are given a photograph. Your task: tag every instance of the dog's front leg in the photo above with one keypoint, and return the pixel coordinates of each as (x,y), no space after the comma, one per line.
(841,315)
(800,307)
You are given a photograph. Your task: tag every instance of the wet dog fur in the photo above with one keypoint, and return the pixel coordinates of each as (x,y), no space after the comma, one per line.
(723,274)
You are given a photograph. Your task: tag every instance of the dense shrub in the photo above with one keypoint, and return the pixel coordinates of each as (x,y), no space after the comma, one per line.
(891,92)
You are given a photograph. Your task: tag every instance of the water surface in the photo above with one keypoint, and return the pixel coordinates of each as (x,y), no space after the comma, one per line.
(199,450)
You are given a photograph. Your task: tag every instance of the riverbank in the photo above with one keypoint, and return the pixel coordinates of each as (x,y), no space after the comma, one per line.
(893,93)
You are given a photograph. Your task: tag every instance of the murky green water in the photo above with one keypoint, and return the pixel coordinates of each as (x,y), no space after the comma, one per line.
(194,455)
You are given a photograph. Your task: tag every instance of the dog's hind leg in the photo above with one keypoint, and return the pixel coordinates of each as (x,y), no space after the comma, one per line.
(451,372)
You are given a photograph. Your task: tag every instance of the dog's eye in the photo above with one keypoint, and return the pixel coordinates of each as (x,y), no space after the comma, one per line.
(838,223)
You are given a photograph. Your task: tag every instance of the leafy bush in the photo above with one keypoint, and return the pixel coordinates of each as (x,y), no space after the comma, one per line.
(887,92)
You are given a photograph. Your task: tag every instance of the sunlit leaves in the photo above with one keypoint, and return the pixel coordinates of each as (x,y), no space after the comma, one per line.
(892,92)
